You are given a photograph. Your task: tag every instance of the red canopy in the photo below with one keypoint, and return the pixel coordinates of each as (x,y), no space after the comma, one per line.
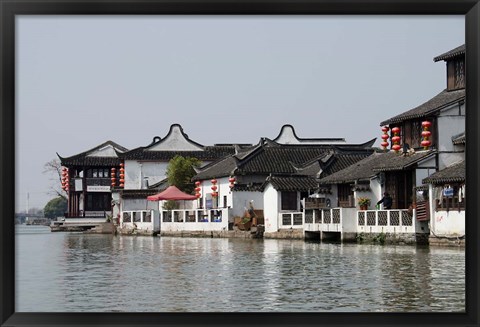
(171,193)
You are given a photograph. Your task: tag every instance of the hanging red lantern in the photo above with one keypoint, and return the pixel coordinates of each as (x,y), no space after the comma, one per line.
(198,195)
(232,180)
(385,137)
(396,139)
(113,176)
(197,183)
(121,175)
(214,181)
(426,134)
(214,187)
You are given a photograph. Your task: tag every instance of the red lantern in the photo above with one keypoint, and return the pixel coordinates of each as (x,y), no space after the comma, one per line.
(214,187)
(426,143)
(197,189)
(214,194)
(426,134)
(426,124)
(385,137)
(214,181)
(198,195)
(197,183)
(396,139)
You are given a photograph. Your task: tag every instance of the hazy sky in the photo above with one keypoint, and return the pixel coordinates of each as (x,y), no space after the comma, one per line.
(81,80)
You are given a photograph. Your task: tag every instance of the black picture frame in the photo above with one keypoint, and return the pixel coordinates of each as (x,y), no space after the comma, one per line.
(10,8)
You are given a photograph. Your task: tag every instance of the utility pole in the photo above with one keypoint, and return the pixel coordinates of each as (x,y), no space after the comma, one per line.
(28,199)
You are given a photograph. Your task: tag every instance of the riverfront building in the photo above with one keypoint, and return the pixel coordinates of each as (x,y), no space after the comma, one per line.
(422,167)
(297,187)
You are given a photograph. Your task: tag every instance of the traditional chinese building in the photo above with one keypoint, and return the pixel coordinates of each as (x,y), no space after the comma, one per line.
(87,179)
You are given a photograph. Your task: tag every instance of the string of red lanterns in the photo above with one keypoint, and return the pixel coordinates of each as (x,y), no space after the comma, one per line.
(396,139)
(113,175)
(426,134)
(65,179)
(385,137)
(214,187)
(122,175)
(198,189)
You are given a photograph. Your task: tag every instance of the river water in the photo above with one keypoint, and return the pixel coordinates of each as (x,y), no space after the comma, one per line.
(74,272)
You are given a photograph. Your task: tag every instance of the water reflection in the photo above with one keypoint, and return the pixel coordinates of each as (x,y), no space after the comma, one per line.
(77,272)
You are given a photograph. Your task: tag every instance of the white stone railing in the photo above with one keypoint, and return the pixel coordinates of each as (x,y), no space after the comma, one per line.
(194,220)
(325,220)
(293,219)
(385,221)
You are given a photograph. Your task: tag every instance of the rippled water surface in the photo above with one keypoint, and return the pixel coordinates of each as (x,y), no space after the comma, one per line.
(76,272)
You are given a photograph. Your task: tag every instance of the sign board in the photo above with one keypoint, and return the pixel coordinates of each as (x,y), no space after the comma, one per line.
(448,192)
(97,188)
(78,184)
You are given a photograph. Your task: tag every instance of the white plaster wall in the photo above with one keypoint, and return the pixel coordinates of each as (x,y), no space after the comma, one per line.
(366,194)
(241,201)
(287,136)
(135,172)
(271,199)
(425,169)
(449,124)
(448,159)
(175,142)
(448,223)
(349,220)
(107,151)
(376,190)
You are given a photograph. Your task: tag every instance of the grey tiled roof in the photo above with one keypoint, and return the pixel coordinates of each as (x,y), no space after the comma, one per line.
(370,166)
(82,159)
(438,102)
(343,160)
(393,161)
(272,158)
(138,194)
(293,183)
(450,54)
(451,174)
(210,153)
(251,187)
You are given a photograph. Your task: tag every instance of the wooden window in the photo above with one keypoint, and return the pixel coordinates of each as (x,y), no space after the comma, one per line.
(459,74)
(289,200)
(98,202)
(456,74)
(345,194)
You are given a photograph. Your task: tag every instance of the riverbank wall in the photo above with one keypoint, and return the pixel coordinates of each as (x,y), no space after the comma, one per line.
(255,233)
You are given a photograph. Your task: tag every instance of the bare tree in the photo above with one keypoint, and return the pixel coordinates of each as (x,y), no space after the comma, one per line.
(54,168)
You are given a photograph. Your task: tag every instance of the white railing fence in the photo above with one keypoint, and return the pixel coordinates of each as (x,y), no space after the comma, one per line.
(310,216)
(194,220)
(385,221)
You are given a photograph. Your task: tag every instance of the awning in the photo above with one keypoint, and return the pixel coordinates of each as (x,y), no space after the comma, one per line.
(171,193)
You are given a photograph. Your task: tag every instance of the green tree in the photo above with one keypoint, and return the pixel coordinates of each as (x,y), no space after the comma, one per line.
(55,207)
(180,171)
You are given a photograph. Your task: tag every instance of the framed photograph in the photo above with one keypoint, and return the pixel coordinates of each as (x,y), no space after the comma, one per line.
(326,154)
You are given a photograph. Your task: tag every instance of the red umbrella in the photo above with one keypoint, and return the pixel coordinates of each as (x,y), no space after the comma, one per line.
(171,193)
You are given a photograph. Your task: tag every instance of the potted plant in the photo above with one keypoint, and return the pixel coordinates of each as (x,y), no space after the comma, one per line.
(363,203)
